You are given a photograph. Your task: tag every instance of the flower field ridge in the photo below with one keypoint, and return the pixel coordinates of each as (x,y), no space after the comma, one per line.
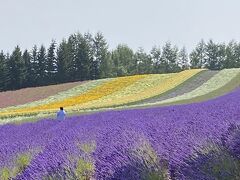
(163,85)
(116,144)
(216,82)
(190,141)
(80,89)
(124,93)
(187,86)
(95,93)
(106,91)
(28,95)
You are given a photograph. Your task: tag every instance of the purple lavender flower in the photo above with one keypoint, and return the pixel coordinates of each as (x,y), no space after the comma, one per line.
(172,132)
(209,162)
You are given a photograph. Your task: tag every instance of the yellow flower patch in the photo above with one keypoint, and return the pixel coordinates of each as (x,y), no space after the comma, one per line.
(93,94)
(150,81)
(163,86)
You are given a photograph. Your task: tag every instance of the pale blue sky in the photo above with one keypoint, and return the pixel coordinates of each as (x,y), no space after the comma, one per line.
(135,22)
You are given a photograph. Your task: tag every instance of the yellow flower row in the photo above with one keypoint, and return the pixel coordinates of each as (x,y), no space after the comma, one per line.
(76,91)
(150,81)
(164,85)
(93,94)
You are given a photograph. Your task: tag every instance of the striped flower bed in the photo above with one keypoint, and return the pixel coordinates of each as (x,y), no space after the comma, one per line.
(94,93)
(78,90)
(28,95)
(123,92)
(164,85)
(216,82)
(186,87)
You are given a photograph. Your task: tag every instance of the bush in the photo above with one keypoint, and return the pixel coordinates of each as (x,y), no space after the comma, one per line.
(143,164)
(214,160)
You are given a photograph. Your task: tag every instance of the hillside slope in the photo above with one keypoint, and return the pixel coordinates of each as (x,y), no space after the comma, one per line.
(26,95)
(130,92)
(106,141)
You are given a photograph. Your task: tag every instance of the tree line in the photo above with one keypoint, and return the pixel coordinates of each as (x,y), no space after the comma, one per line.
(86,57)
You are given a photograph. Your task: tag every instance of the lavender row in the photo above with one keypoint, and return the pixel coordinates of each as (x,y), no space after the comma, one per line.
(172,132)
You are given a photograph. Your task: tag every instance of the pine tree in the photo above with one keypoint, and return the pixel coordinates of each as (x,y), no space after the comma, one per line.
(237,55)
(144,62)
(8,81)
(34,66)
(82,58)
(61,62)
(183,59)
(212,59)
(16,69)
(3,72)
(198,55)
(27,69)
(102,63)
(169,58)
(231,56)
(42,67)
(123,60)
(221,55)
(71,57)
(93,67)
(156,59)
(51,63)
(166,51)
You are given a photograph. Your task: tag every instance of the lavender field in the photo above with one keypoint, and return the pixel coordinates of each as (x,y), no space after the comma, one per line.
(119,90)
(159,143)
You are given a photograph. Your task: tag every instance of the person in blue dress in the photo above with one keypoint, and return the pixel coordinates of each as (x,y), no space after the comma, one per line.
(61,114)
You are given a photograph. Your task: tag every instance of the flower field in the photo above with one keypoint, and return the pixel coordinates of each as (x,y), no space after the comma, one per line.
(129,144)
(184,142)
(33,94)
(216,82)
(100,94)
(142,93)
(125,92)
(186,87)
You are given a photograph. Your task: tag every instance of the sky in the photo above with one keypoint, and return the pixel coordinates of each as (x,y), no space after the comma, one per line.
(137,23)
